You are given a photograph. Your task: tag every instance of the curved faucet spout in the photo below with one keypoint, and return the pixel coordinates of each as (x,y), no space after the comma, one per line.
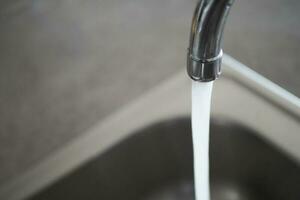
(204,52)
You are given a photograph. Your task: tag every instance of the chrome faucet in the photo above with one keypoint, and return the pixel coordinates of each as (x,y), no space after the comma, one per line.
(204,52)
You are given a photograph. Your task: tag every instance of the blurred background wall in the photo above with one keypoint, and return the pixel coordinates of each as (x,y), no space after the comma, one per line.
(66,64)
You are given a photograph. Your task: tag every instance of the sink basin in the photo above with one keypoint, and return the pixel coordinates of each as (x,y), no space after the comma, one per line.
(144,150)
(156,163)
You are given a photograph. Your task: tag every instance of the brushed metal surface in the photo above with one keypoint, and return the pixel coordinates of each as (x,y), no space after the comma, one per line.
(156,163)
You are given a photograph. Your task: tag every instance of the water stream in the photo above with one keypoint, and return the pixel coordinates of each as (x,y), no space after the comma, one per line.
(201,100)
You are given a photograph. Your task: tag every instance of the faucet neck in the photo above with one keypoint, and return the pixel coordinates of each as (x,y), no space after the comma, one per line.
(204,53)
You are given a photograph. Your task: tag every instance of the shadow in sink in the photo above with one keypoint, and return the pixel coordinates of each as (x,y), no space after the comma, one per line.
(156,163)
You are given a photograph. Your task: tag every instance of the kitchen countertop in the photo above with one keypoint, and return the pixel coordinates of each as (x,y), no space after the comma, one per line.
(65,65)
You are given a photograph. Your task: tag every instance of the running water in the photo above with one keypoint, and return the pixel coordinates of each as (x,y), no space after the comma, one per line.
(201,98)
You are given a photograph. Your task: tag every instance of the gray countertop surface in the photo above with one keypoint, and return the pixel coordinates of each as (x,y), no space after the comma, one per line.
(65,65)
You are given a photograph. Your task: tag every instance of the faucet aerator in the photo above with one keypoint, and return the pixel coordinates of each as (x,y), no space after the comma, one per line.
(204,57)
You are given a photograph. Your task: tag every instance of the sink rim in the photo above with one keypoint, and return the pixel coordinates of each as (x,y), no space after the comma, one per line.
(236,79)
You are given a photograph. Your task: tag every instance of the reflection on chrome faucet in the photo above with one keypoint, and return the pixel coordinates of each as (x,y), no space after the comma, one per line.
(204,52)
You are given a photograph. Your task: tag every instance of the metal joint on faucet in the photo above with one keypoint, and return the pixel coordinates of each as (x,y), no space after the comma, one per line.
(204,53)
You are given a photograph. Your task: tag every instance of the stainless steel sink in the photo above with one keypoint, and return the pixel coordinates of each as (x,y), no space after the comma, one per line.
(156,163)
(144,150)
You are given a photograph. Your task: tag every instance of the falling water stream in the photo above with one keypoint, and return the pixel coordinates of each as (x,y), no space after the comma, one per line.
(201,100)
